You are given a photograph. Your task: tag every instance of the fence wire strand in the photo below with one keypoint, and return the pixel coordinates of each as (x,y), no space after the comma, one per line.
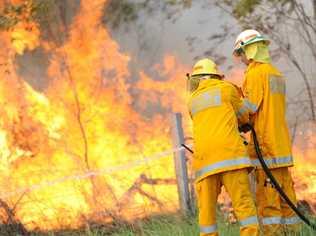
(92,173)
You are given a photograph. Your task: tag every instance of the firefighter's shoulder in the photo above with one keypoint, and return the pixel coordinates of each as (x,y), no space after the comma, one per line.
(233,86)
(230,84)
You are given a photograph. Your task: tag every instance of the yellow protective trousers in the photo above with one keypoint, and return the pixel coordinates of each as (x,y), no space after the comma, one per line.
(275,215)
(236,183)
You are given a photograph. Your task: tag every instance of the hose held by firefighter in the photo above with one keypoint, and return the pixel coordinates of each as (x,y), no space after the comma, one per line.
(265,104)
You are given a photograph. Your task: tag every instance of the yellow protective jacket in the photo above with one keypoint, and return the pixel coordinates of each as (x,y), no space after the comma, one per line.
(217,143)
(264,90)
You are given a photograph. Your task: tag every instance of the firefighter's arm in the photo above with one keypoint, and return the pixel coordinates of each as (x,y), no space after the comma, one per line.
(253,91)
(237,102)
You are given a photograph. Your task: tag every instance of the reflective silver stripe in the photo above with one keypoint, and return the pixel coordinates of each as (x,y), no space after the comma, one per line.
(249,221)
(271,220)
(250,106)
(208,229)
(277,84)
(223,164)
(280,220)
(241,111)
(274,161)
(291,220)
(211,98)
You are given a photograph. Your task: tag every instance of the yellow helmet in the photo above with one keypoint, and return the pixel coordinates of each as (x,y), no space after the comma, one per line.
(206,67)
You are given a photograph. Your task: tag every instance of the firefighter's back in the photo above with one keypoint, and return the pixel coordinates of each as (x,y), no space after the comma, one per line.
(215,129)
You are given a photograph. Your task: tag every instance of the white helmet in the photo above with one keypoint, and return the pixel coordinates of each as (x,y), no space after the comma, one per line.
(248,37)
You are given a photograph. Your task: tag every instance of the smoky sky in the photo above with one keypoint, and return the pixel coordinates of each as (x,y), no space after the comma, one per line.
(188,33)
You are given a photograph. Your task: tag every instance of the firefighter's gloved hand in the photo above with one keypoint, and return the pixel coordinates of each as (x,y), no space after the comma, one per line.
(244,128)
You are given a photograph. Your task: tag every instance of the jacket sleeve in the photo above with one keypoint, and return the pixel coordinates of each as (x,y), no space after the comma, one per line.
(253,91)
(237,102)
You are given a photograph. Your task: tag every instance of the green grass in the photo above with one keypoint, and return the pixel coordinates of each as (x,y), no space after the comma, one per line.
(173,225)
(168,225)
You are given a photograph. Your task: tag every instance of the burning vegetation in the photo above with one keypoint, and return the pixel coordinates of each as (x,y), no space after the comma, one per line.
(55,142)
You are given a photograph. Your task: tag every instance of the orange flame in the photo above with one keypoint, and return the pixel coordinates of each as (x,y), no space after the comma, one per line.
(304,172)
(85,121)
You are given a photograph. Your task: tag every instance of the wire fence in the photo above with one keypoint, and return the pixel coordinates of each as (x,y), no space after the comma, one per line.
(97,172)
(126,191)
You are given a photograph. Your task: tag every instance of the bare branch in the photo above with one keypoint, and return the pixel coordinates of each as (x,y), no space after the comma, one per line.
(294,61)
(12,221)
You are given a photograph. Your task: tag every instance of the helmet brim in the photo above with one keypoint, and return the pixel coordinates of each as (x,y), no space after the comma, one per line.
(239,49)
(220,74)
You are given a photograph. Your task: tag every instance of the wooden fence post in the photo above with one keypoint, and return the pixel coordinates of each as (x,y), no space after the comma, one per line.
(181,166)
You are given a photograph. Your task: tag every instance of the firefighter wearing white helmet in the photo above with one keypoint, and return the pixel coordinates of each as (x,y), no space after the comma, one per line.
(264,102)
(220,157)
(248,37)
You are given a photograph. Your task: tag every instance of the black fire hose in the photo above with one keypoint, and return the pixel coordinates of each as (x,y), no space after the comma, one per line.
(275,182)
(267,171)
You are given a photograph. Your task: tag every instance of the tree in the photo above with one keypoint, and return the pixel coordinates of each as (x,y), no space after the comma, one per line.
(11,14)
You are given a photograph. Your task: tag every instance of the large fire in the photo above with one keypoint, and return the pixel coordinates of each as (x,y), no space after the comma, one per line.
(64,151)
(54,144)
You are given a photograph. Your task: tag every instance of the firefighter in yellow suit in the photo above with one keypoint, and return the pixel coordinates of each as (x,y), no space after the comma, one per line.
(264,90)
(220,156)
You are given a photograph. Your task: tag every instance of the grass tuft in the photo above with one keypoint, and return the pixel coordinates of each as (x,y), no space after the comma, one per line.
(160,225)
